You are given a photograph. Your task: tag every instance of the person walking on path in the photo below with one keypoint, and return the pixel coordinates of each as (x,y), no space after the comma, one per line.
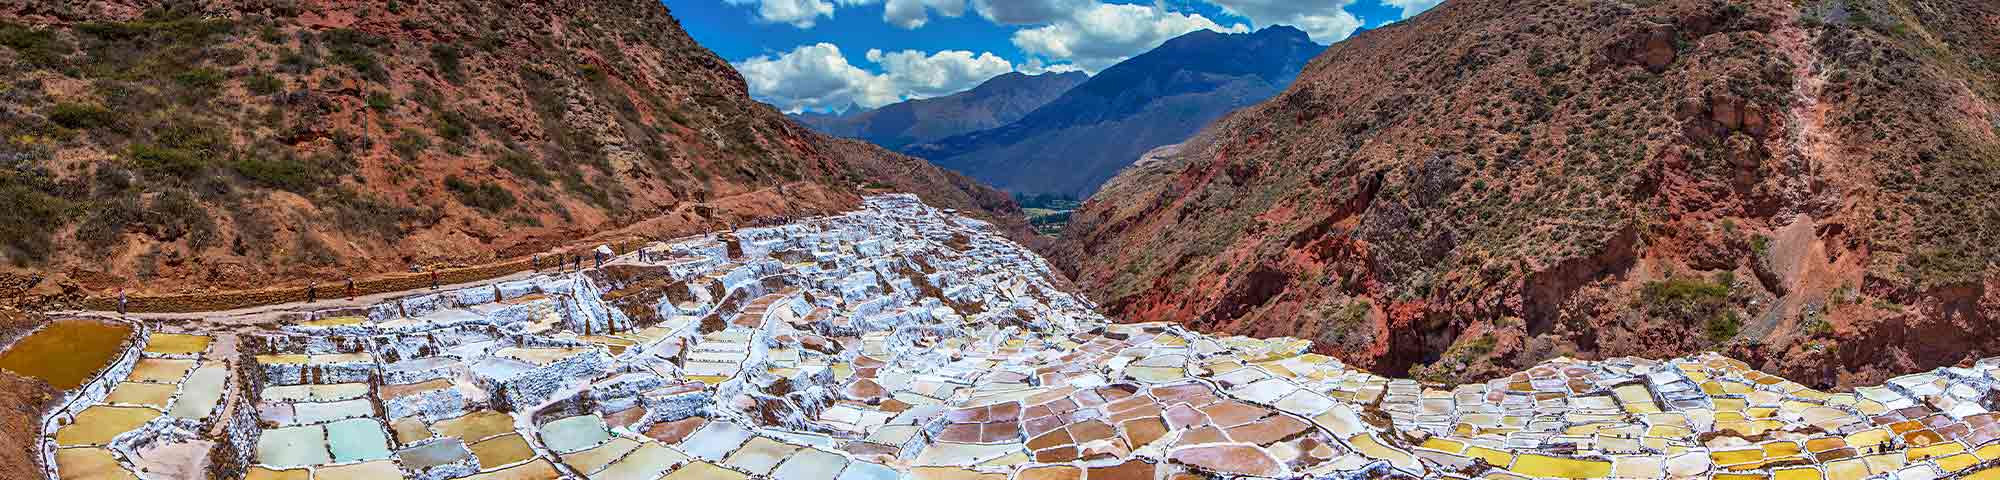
(121,301)
(350,287)
(312,291)
(434,279)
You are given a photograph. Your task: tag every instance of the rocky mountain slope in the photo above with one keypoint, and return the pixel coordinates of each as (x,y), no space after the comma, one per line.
(184,145)
(995,102)
(1810,186)
(1076,142)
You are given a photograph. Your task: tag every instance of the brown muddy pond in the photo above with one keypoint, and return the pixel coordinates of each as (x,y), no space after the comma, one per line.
(65,353)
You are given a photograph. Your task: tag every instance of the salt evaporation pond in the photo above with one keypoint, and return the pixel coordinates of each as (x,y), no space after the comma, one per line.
(65,353)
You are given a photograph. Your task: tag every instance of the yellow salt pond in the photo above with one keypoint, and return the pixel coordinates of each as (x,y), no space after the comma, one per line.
(334,321)
(66,353)
(176,344)
(1557,467)
(148,394)
(98,424)
(160,370)
(501,451)
(90,464)
(475,426)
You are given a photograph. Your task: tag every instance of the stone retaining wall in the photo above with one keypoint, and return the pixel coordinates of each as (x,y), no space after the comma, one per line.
(218,301)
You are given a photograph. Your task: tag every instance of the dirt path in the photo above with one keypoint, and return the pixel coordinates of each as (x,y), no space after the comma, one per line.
(222,306)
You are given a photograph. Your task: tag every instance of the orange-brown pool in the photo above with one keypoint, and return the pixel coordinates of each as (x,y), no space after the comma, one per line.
(65,353)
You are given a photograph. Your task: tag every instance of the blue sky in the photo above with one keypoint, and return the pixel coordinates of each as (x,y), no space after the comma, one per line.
(823,55)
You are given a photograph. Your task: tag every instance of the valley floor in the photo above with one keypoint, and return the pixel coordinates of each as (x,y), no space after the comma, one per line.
(902,341)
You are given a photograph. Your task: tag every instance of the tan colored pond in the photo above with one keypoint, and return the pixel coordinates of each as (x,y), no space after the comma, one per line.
(65,353)
(176,344)
(98,424)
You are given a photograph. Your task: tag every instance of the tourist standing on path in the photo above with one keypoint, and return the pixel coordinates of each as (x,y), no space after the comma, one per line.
(312,291)
(350,287)
(434,279)
(121,301)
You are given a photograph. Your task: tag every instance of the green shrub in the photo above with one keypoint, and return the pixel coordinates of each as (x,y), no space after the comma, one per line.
(356,212)
(411,143)
(81,116)
(162,160)
(447,57)
(283,172)
(380,101)
(523,166)
(356,50)
(36,47)
(200,79)
(486,196)
(179,214)
(453,126)
(107,221)
(1724,327)
(26,222)
(263,84)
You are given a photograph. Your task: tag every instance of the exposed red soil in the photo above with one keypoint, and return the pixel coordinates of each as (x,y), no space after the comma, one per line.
(1809,187)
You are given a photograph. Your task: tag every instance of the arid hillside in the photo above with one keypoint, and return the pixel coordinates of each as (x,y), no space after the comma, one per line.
(1812,186)
(183,146)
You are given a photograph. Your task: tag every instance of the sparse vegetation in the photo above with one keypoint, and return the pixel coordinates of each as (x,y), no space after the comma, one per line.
(37,47)
(485,196)
(447,58)
(263,84)
(356,50)
(81,116)
(380,101)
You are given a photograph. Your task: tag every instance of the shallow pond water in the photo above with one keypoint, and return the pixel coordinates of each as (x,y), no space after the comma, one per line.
(65,353)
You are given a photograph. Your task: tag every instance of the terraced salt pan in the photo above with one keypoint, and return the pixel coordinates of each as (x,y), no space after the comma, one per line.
(99,424)
(90,463)
(501,451)
(289,447)
(202,392)
(317,412)
(574,433)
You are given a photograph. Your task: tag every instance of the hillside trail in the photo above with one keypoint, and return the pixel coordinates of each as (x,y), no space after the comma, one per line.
(269,313)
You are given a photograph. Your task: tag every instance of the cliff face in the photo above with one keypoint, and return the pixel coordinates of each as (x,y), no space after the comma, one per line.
(998,101)
(1489,184)
(231,144)
(1081,139)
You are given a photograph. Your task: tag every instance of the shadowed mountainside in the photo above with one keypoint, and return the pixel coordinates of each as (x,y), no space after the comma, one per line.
(995,102)
(1079,140)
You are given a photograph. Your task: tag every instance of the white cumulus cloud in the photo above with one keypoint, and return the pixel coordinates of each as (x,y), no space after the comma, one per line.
(798,13)
(1327,21)
(1029,12)
(916,75)
(820,77)
(911,14)
(1412,7)
(1106,34)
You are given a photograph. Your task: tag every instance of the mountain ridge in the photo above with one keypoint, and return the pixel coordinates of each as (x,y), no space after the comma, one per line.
(1155,98)
(997,101)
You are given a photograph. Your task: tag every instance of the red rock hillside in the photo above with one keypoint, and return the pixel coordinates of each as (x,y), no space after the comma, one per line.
(1811,186)
(178,146)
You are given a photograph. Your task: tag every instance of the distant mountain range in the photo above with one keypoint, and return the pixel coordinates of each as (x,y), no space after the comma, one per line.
(998,101)
(1077,141)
